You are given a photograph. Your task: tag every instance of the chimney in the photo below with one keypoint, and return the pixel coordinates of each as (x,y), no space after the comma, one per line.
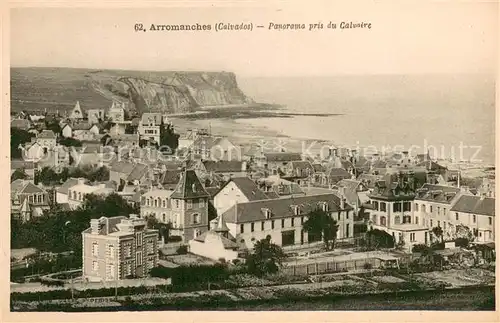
(95,225)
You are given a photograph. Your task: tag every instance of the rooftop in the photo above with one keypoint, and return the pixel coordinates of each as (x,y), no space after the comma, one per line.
(475,205)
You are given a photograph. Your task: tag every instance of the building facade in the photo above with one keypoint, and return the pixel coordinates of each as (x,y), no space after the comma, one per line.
(186,207)
(115,248)
(150,126)
(282,219)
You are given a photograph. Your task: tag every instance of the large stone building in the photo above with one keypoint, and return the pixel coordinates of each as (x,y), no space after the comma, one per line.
(185,207)
(282,219)
(392,212)
(150,127)
(118,247)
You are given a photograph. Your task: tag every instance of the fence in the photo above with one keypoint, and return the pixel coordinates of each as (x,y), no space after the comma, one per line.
(332,266)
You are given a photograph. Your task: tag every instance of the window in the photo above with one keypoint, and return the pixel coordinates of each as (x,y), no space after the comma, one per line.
(375,205)
(407,206)
(383,206)
(138,258)
(456,216)
(430,208)
(444,225)
(416,220)
(406,219)
(95,249)
(338,216)
(79,196)
(177,205)
(272,224)
(111,251)
(156,203)
(396,207)
(164,203)
(301,220)
(262,225)
(292,222)
(282,223)
(189,204)
(439,210)
(416,207)
(95,265)
(397,219)
(412,237)
(474,218)
(138,239)
(164,217)
(252,227)
(196,218)
(431,224)
(444,211)
(242,228)
(424,208)
(347,215)
(383,221)
(110,271)
(490,220)
(202,202)
(128,251)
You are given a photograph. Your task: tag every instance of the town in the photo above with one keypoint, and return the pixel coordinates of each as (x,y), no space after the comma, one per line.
(108,203)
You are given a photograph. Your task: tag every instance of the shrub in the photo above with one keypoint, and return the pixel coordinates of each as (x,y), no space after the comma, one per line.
(419,248)
(182,250)
(462,242)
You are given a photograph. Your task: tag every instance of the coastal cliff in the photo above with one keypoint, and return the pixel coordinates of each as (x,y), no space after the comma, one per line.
(168,92)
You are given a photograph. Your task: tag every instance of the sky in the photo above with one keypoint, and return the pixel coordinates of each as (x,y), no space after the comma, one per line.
(405,38)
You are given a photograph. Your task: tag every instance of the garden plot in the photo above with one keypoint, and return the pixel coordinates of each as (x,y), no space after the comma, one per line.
(460,278)
(190,259)
(387,279)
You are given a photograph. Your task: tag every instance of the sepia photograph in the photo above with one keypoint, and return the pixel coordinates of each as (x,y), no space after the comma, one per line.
(253,158)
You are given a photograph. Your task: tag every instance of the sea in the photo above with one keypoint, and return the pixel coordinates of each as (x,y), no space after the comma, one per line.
(450,116)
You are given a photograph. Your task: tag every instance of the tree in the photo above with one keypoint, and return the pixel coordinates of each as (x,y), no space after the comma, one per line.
(320,223)
(18,174)
(266,258)
(69,142)
(53,125)
(163,228)
(168,137)
(438,232)
(18,137)
(111,205)
(379,239)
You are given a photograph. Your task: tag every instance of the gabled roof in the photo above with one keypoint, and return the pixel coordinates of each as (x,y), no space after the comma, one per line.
(189,186)
(151,117)
(282,157)
(475,205)
(318,168)
(223,166)
(83,126)
(248,188)
(337,172)
(138,172)
(18,164)
(70,182)
(123,167)
(302,165)
(280,208)
(350,190)
(170,176)
(23,124)
(20,186)
(437,193)
(47,134)
(228,244)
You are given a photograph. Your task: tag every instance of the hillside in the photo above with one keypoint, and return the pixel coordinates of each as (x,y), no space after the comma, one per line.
(169,92)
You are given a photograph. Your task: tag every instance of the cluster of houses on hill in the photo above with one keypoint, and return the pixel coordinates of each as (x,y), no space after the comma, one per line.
(220,199)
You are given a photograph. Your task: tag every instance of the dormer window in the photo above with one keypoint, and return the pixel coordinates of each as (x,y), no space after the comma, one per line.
(267,213)
(296,209)
(324,206)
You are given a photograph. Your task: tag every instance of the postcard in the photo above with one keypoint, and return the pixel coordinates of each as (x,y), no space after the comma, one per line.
(298,162)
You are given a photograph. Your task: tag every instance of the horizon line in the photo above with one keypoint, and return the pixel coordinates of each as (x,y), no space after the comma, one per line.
(492,73)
